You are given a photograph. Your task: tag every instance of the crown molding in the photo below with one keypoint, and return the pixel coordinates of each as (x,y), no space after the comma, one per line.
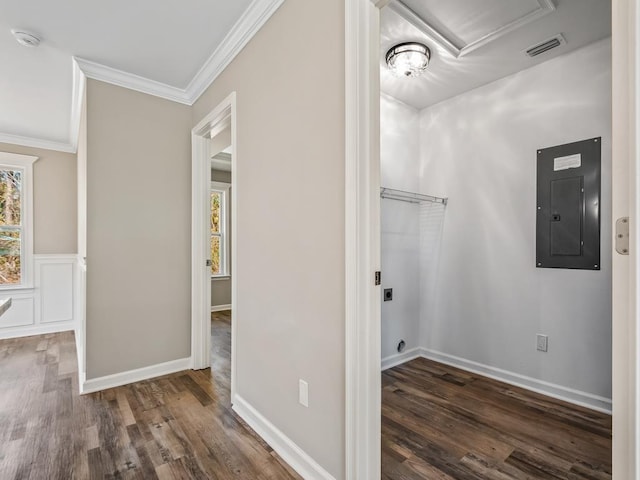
(240,34)
(545,7)
(244,30)
(36,143)
(131,81)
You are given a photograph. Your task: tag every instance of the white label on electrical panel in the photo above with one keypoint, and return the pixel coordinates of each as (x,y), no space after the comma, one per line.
(565,163)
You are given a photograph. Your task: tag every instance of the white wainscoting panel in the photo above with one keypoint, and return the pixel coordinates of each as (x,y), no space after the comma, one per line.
(21,313)
(50,306)
(55,282)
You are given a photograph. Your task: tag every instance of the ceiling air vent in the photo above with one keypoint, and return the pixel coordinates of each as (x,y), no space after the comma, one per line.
(545,46)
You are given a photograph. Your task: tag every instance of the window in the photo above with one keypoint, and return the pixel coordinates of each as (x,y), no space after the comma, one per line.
(219,229)
(16,223)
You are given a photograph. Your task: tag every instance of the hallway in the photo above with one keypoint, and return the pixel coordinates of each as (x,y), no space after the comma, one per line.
(176,426)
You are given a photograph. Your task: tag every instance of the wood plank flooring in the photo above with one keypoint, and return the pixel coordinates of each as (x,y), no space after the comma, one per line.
(178,426)
(442,423)
(437,423)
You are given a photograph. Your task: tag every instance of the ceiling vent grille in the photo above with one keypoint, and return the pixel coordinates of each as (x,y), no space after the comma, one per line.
(545,46)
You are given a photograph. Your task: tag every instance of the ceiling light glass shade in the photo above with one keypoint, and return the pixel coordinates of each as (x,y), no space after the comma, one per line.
(408,59)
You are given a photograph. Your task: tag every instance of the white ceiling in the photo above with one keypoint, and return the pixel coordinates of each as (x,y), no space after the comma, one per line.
(474,42)
(166,41)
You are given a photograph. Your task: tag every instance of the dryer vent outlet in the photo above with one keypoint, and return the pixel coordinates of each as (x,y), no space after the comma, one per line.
(401,346)
(388,294)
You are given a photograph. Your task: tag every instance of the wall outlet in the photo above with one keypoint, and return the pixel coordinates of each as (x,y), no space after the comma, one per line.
(303,393)
(542,342)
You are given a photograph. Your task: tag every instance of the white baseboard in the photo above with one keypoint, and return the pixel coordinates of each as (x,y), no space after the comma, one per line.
(570,395)
(220,308)
(291,453)
(400,358)
(137,375)
(42,329)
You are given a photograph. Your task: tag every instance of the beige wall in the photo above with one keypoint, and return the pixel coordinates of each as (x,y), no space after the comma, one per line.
(138,230)
(290,259)
(54,199)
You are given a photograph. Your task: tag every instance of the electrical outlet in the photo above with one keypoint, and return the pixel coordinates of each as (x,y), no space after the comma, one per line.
(542,342)
(303,393)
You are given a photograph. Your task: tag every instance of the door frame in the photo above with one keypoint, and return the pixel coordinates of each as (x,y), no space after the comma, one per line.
(362,240)
(362,232)
(219,118)
(626,85)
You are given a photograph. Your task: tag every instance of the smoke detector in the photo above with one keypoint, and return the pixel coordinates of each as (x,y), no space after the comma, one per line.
(25,38)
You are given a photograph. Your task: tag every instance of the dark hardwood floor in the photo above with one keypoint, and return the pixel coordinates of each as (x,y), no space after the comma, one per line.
(442,423)
(437,423)
(178,426)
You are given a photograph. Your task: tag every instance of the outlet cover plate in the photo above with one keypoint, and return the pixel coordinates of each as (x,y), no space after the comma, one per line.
(303,393)
(542,342)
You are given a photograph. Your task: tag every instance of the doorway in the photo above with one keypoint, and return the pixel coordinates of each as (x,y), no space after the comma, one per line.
(473,291)
(363,348)
(214,292)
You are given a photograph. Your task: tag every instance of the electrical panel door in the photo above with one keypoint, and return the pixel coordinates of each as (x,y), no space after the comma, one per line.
(568,206)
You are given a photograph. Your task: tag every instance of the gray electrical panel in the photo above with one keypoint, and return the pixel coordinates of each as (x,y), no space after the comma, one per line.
(568,206)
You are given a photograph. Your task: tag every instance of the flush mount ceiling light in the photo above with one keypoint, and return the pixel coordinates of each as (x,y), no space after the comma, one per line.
(25,38)
(408,59)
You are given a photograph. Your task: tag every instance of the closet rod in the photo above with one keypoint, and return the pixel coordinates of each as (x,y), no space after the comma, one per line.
(410,197)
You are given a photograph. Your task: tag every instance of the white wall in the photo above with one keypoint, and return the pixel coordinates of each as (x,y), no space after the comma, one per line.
(479,149)
(400,240)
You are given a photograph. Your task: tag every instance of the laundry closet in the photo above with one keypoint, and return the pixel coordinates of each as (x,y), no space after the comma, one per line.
(495,161)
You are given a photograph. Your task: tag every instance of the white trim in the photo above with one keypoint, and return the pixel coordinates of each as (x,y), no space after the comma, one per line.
(200,236)
(77,97)
(244,30)
(56,257)
(362,243)
(570,395)
(137,375)
(81,320)
(220,308)
(132,81)
(31,330)
(625,342)
(400,358)
(291,453)
(545,7)
(24,163)
(36,143)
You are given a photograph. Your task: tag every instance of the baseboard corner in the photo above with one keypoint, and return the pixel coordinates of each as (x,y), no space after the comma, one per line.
(220,308)
(560,392)
(291,453)
(400,358)
(137,375)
